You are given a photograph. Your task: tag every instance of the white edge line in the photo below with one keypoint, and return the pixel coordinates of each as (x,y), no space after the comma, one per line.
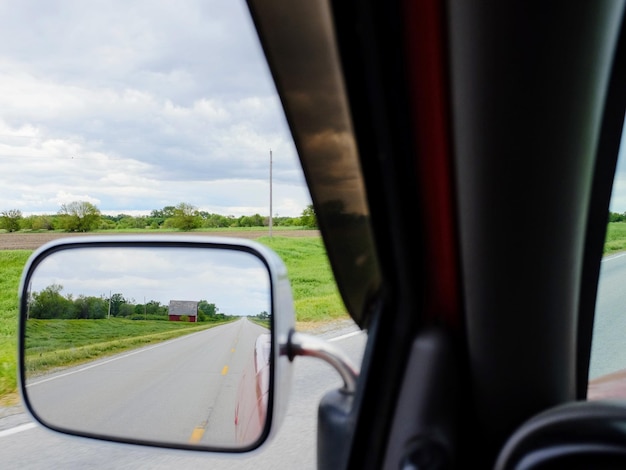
(609,258)
(16,429)
(347,335)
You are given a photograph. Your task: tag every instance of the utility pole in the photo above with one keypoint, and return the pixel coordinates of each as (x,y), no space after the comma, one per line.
(270,193)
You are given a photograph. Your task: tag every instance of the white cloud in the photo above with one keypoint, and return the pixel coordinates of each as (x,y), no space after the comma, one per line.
(139,105)
(63,197)
(237,282)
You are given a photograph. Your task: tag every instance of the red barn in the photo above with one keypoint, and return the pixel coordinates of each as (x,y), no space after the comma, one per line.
(180,308)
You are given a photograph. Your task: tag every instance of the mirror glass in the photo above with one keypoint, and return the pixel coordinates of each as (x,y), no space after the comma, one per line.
(162,345)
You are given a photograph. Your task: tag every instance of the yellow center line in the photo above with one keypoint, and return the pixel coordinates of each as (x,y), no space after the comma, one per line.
(225,370)
(232,350)
(196,435)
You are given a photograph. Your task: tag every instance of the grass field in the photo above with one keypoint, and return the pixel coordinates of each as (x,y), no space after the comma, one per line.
(316,298)
(55,343)
(615,237)
(11,265)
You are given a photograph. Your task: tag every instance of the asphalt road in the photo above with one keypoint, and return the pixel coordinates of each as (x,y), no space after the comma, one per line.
(182,391)
(26,445)
(608,352)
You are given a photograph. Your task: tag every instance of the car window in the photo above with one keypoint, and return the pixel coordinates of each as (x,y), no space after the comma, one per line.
(142,110)
(607,368)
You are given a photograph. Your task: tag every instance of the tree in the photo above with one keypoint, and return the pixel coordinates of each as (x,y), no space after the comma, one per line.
(250,221)
(186,217)
(128,221)
(308,218)
(165,213)
(154,307)
(215,220)
(79,216)
(157,217)
(10,220)
(90,307)
(116,302)
(206,311)
(49,303)
(37,222)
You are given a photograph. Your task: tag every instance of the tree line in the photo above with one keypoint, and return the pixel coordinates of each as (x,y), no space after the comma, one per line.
(83,216)
(617,217)
(50,303)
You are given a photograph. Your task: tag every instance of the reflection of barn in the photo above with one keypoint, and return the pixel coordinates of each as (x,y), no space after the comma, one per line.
(179,308)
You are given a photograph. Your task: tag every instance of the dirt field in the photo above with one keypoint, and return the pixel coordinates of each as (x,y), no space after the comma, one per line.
(31,241)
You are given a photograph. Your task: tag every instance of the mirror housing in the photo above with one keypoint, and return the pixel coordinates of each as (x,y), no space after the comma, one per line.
(85,263)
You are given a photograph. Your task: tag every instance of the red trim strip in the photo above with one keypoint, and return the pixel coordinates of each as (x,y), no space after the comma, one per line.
(426,52)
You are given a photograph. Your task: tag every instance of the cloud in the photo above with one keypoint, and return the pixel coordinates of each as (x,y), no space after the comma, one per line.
(237,282)
(138,105)
(63,197)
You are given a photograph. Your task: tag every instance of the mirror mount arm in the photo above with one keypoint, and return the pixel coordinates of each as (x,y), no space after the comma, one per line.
(301,344)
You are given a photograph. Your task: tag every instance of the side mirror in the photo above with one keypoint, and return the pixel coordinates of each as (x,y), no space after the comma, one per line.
(164,341)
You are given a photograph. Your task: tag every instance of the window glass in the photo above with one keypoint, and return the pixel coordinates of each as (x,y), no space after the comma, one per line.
(607,369)
(137,109)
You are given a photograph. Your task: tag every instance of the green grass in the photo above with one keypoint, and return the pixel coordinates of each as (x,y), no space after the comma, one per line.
(55,343)
(316,299)
(11,265)
(615,237)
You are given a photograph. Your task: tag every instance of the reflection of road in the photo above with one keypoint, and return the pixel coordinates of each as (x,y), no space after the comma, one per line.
(181,391)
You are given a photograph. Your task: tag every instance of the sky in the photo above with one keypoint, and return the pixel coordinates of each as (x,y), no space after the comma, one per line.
(618,196)
(236,282)
(134,105)
(138,105)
